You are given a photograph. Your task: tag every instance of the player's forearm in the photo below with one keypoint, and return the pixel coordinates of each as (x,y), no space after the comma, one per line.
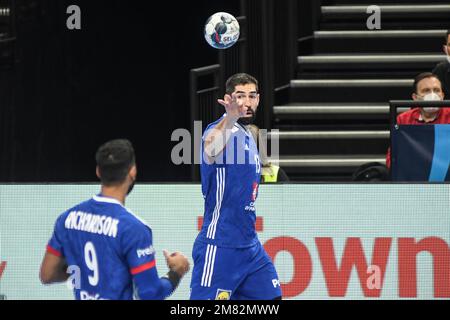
(151,287)
(217,138)
(54,276)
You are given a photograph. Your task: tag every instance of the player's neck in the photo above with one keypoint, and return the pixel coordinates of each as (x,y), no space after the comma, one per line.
(115,192)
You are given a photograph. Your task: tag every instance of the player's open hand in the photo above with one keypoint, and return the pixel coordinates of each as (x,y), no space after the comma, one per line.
(234,107)
(177,262)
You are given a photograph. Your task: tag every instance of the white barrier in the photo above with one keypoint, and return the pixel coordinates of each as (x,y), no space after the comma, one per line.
(327,241)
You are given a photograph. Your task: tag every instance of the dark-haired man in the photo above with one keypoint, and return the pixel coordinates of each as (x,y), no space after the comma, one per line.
(427,87)
(111,248)
(229,260)
(442,70)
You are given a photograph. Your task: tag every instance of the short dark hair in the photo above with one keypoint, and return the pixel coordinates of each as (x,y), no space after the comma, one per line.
(114,160)
(239,79)
(420,77)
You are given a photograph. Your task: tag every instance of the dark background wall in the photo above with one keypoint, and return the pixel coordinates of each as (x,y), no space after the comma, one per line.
(124,74)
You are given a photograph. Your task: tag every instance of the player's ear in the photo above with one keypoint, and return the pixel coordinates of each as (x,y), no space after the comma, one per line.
(97,172)
(133,172)
(414,96)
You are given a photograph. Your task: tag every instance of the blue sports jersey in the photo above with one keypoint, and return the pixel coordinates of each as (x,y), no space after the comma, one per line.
(230,189)
(109,246)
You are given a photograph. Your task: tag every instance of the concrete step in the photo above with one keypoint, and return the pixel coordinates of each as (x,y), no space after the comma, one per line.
(346,161)
(370,34)
(370,90)
(382,2)
(347,24)
(333,109)
(329,134)
(351,83)
(373,61)
(360,11)
(350,90)
(378,41)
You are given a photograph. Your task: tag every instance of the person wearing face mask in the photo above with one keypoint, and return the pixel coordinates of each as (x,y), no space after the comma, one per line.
(110,246)
(442,70)
(427,87)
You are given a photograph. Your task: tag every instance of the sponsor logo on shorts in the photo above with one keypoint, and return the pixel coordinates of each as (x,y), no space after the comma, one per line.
(276,283)
(84,295)
(223,294)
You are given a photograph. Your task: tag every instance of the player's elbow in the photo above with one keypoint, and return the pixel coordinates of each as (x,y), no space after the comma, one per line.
(150,294)
(45,276)
(210,151)
(209,154)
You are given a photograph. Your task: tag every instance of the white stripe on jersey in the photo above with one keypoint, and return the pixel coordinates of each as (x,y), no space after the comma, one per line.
(212,266)
(208,234)
(208,267)
(211,224)
(205,265)
(220,188)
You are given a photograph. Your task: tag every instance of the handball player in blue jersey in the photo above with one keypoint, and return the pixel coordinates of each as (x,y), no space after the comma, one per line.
(108,249)
(229,260)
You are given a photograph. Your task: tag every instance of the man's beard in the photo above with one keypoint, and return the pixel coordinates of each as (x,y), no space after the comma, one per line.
(245,121)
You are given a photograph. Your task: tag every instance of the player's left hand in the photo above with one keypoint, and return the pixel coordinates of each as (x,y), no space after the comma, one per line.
(177,262)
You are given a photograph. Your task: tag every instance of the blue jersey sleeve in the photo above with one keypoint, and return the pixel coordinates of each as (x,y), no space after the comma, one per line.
(140,256)
(55,245)
(138,248)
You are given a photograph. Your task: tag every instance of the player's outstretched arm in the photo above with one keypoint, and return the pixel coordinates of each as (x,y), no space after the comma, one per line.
(218,137)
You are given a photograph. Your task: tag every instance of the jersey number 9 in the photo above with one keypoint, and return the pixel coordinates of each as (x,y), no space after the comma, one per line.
(90,257)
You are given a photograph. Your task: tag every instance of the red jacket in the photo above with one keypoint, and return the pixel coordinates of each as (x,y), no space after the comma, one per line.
(414,117)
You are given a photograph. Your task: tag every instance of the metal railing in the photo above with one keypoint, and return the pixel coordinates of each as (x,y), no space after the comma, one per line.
(203,103)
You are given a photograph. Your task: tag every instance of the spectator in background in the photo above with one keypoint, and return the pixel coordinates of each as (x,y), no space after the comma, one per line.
(270,173)
(442,70)
(426,87)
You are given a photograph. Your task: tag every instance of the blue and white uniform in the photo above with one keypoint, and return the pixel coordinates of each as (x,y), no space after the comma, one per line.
(229,260)
(110,249)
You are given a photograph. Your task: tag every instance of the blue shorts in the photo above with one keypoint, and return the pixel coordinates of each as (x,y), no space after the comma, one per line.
(233,273)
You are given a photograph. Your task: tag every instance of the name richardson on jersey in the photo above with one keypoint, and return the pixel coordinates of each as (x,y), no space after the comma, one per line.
(88,222)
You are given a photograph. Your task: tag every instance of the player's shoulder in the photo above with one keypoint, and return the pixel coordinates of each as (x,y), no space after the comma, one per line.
(214,124)
(78,207)
(112,207)
(133,220)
